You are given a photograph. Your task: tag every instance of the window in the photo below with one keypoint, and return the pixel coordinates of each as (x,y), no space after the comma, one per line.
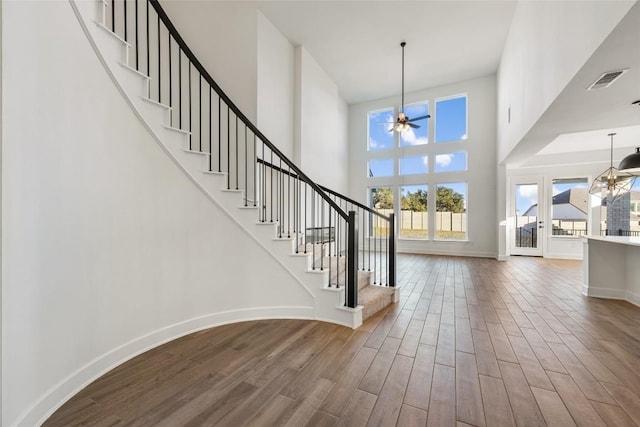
(413,212)
(451,211)
(381,200)
(451,162)
(451,119)
(414,165)
(380,167)
(569,207)
(380,123)
(420,135)
(407,166)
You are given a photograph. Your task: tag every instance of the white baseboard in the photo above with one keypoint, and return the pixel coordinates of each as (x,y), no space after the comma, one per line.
(67,388)
(604,293)
(577,257)
(430,251)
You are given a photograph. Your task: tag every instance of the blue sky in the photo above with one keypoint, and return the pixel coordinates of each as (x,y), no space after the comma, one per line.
(526,196)
(451,119)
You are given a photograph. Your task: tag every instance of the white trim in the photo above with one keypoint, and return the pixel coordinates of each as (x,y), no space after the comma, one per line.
(577,257)
(604,292)
(429,251)
(55,397)
(619,294)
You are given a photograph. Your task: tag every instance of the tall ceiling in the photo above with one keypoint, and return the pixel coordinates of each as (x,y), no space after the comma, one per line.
(358,42)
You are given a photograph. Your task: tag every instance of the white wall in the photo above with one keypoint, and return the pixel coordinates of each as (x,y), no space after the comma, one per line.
(321,147)
(557,246)
(276,72)
(1,186)
(108,248)
(482,166)
(224,37)
(548,42)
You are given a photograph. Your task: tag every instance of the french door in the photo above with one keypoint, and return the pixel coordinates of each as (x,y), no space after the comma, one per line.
(527,211)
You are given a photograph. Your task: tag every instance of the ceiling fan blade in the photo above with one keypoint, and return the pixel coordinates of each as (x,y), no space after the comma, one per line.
(420,118)
(412,125)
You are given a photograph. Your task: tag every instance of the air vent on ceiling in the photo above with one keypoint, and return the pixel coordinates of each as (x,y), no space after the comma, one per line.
(607,79)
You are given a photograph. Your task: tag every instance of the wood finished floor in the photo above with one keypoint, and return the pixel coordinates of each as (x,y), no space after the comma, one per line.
(471,342)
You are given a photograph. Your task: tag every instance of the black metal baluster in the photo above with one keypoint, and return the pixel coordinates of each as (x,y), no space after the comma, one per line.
(170,81)
(321,234)
(330,243)
(137,49)
(228,148)
(210,139)
(148,50)
(180,87)
(279,198)
(200,112)
(386,258)
(296,208)
(220,136)
(264,190)
(246,176)
(289,201)
(363,234)
(271,185)
(190,123)
(237,186)
(113,15)
(124,3)
(303,217)
(159,67)
(255,159)
(313,229)
(375,252)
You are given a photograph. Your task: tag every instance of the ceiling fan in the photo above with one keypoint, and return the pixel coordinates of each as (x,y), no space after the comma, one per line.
(403,122)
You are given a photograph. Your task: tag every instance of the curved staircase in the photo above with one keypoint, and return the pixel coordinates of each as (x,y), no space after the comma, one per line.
(240,171)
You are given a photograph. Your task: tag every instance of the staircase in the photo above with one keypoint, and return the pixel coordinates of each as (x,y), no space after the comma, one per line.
(341,251)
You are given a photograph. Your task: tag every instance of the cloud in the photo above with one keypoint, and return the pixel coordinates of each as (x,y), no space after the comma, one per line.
(373,143)
(528,191)
(464,136)
(444,160)
(409,136)
(425,161)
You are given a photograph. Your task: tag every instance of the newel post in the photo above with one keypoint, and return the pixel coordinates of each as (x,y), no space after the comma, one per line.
(352,261)
(391,254)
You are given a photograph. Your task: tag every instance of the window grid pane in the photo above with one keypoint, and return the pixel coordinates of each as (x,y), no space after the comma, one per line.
(451,119)
(380,167)
(413,212)
(380,200)
(451,162)
(414,165)
(380,122)
(451,211)
(569,207)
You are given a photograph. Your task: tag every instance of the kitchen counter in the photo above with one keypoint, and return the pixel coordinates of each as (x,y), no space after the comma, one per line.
(612,267)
